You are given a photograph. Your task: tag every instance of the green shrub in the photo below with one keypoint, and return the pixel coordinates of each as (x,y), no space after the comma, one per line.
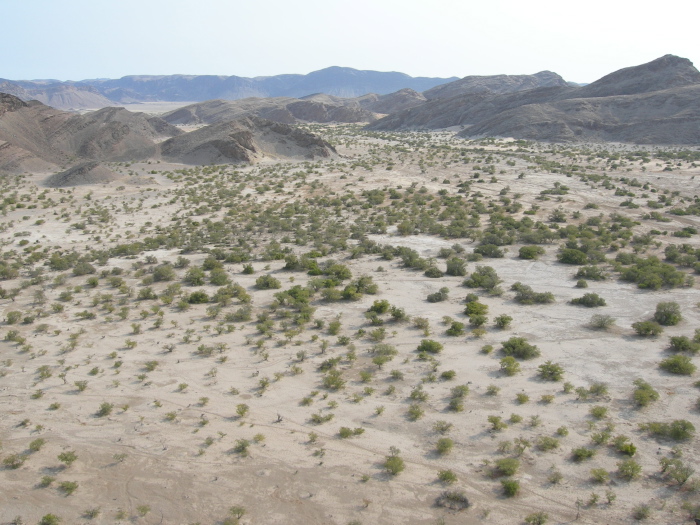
(580,454)
(644,394)
(668,314)
(433,272)
(530,252)
(589,300)
(652,274)
(415,412)
(572,256)
(456,267)
(482,277)
(164,272)
(267,282)
(526,295)
(547,443)
(394,465)
(198,297)
(641,512)
(489,250)
(509,366)
(678,364)
(105,409)
(447,476)
(519,347)
(511,487)
(628,469)
(677,430)
(600,475)
(598,412)
(593,273)
(83,268)
(475,308)
(601,322)
(456,329)
(683,343)
(506,467)
(647,328)
(430,346)
(444,446)
(438,296)
(503,321)
(68,487)
(551,371)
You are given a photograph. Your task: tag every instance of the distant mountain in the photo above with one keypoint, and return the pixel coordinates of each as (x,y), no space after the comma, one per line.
(336,81)
(656,103)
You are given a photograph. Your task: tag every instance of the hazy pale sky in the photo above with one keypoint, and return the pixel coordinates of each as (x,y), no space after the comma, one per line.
(582,41)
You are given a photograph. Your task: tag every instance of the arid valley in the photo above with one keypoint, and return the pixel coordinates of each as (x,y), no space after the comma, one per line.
(324,323)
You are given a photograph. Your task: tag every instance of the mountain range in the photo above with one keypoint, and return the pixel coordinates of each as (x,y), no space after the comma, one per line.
(653,103)
(337,81)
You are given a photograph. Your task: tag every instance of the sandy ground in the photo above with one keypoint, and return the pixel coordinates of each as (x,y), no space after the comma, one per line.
(183,468)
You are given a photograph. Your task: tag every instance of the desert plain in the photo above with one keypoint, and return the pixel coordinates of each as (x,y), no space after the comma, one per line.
(256,343)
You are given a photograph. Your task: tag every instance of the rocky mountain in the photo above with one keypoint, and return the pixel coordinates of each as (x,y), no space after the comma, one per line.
(284,110)
(34,134)
(392,102)
(336,81)
(670,116)
(37,137)
(318,107)
(495,84)
(245,140)
(666,72)
(657,102)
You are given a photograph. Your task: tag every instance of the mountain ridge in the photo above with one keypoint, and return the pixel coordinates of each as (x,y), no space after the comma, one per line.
(334,80)
(655,102)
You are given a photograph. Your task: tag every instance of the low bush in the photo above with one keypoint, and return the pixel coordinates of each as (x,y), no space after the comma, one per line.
(678,364)
(589,300)
(519,347)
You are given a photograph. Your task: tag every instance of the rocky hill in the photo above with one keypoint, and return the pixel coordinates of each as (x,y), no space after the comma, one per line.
(35,137)
(657,102)
(245,140)
(670,116)
(284,110)
(495,84)
(336,81)
(85,173)
(318,107)
(34,134)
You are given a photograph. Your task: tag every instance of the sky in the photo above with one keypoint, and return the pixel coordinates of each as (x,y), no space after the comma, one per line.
(582,41)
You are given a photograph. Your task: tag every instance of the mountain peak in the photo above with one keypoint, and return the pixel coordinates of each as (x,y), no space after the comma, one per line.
(666,72)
